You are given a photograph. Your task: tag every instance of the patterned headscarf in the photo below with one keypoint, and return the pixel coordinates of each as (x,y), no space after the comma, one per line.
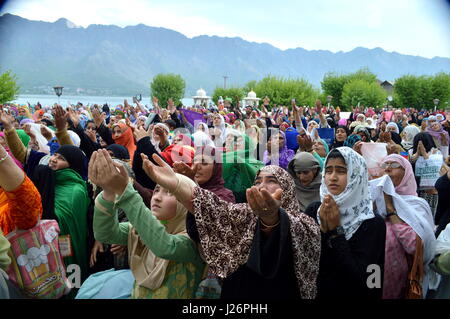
(355,204)
(227,232)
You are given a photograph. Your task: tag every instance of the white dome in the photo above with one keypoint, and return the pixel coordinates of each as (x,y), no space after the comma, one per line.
(201,92)
(251,95)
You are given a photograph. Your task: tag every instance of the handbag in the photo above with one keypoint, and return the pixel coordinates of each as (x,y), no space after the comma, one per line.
(415,276)
(37,267)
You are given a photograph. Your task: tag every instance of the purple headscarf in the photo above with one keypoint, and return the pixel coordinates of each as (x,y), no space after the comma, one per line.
(25,121)
(284,156)
(437,134)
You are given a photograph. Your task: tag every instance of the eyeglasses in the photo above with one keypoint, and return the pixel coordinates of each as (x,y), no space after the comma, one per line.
(390,165)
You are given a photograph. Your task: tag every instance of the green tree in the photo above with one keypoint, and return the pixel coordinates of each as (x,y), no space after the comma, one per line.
(440,89)
(362,92)
(281,91)
(8,87)
(333,83)
(420,91)
(166,86)
(234,93)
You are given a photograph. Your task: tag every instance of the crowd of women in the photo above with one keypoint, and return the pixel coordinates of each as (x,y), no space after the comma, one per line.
(242,203)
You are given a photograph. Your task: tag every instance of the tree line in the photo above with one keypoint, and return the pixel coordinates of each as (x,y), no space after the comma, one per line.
(345,90)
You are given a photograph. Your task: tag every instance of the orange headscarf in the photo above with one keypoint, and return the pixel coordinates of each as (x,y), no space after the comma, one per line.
(126,139)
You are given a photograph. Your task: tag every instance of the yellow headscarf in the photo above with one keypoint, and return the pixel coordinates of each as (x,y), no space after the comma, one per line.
(149,270)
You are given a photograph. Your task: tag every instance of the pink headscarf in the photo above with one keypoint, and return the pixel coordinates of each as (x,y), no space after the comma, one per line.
(408,185)
(18,163)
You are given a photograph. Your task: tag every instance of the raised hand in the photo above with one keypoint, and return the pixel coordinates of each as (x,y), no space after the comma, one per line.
(92,135)
(329,214)
(184,169)
(99,118)
(46,132)
(112,177)
(74,117)
(304,141)
(140,133)
(162,174)
(357,147)
(263,204)
(61,117)
(6,120)
(27,130)
(171,106)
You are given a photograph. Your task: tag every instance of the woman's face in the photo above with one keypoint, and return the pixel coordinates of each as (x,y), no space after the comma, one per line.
(163,204)
(57,161)
(201,128)
(22,112)
(277,140)
(268,181)
(363,136)
(216,120)
(360,118)
(391,129)
(91,127)
(319,148)
(395,171)
(306,177)
(341,135)
(204,168)
(178,140)
(435,126)
(117,132)
(312,125)
(102,143)
(336,175)
(234,143)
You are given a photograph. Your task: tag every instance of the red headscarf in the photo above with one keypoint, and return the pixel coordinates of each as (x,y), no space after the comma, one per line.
(178,153)
(126,139)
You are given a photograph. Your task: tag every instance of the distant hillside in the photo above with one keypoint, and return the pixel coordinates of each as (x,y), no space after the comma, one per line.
(110,60)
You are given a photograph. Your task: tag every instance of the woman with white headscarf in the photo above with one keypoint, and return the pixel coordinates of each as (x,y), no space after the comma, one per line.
(220,130)
(408,134)
(392,127)
(353,237)
(408,220)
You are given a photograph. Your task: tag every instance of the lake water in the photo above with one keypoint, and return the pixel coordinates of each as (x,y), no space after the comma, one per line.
(74,99)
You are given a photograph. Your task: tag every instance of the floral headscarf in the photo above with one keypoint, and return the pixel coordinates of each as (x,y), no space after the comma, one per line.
(355,204)
(227,231)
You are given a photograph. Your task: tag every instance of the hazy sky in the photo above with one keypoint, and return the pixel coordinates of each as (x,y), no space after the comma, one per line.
(416,27)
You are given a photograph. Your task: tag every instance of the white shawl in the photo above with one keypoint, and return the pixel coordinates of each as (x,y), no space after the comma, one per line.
(414,211)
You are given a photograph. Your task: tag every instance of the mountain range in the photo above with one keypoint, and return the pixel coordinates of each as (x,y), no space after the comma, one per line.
(110,60)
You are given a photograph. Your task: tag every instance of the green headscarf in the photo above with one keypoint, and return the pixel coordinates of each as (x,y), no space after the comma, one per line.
(318,157)
(239,169)
(71,206)
(23,137)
